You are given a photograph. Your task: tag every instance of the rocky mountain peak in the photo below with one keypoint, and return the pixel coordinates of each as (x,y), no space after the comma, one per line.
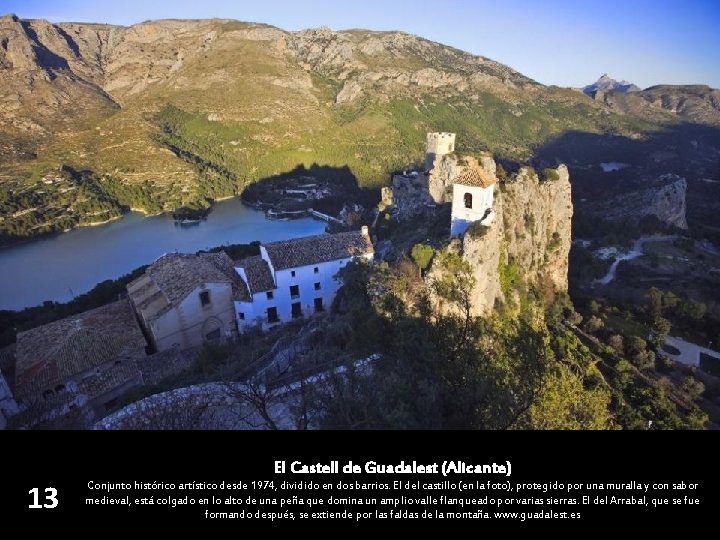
(605,84)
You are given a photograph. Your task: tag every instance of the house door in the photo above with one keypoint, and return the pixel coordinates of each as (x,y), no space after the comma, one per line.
(212,329)
(296,310)
(318,305)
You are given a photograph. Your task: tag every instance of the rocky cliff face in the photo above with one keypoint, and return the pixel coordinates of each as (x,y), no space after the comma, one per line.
(663,198)
(530,238)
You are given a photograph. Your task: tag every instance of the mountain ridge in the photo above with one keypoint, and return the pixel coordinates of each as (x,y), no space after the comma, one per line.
(172,113)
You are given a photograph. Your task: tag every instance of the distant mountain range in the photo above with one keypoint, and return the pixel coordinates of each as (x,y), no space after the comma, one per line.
(605,83)
(173,113)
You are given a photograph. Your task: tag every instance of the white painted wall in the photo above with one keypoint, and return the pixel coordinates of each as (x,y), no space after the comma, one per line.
(463,217)
(305,277)
(186,325)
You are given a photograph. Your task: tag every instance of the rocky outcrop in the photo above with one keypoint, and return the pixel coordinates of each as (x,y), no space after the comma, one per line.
(531,238)
(606,84)
(445,169)
(664,198)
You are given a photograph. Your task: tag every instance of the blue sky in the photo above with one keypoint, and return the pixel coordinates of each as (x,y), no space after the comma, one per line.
(563,42)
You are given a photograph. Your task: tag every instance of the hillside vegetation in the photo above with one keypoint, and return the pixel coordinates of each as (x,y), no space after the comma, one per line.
(170,113)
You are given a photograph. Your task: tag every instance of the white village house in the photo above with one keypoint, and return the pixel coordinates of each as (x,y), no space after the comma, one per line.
(184,300)
(296,278)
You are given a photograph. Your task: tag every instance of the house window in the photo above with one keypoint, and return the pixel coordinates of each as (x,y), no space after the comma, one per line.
(292,273)
(316,270)
(296,310)
(468,200)
(272,315)
(318,305)
(294,291)
(241,316)
(317,286)
(215,334)
(269,295)
(205,298)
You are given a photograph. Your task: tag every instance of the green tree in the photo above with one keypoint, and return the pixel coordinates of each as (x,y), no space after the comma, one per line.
(562,310)
(696,418)
(692,387)
(661,329)
(563,403)
(636,345)
(594,324)
(422,254)
(693,310)
(669,300)
(623,374)
(644,359)
(654,302)
(550,175)
(617,343)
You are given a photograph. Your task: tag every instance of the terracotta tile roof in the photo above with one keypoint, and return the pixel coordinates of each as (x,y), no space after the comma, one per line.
(178,274)
(259,277)
(54,353)
(224,263)
(110,378)
(318,249)
(475,177)
(169,280)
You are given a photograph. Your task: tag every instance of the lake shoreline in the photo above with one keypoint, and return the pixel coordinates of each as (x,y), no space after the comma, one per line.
(65,265)
(49,234)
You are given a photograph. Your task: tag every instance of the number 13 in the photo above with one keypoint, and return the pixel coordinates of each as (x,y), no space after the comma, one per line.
(51,498)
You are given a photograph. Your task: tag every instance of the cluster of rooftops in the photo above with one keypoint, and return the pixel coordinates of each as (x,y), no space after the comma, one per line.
(173,276)
(97,349)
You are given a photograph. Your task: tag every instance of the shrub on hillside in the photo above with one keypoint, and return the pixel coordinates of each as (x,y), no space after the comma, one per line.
(549,175)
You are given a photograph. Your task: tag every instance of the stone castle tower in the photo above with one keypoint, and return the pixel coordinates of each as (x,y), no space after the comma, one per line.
(438,144)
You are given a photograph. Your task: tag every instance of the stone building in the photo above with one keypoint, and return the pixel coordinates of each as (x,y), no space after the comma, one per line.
(412,192)
(438,144)
(296,278)
(84,361)
(185,300)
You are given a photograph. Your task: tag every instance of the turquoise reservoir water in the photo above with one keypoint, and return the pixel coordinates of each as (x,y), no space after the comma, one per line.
(63,266)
